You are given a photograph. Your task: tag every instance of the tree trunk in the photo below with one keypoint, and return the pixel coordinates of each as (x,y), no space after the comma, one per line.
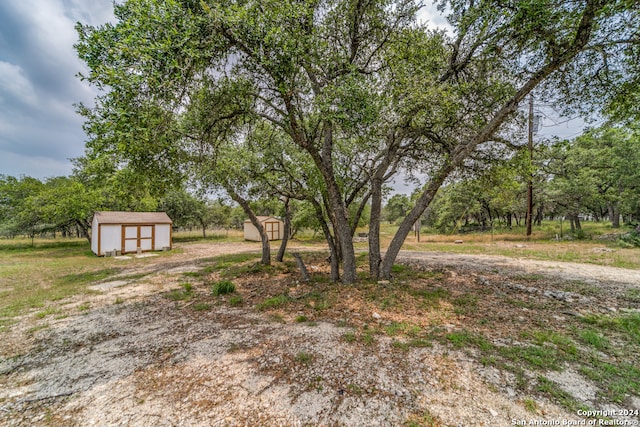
(334,258)
(340,216)
(405,226)
(287,230)
(539,215)
(244,204)
(85,230)
(375,258)
(614,215)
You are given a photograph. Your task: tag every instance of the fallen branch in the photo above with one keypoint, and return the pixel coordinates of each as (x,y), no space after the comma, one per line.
(301,267)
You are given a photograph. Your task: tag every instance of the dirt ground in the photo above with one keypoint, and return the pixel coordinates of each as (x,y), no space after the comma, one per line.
(133,357)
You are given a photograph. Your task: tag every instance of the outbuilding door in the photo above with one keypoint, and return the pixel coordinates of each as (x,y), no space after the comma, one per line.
(272,229)
(137,236)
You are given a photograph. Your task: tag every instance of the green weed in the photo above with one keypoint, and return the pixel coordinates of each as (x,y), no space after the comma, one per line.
(273,302)
(464,338)
(47,312)
(223,287)
(235,300)
(304,358)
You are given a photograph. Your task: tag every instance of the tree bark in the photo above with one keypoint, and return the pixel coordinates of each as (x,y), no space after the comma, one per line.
(340,217)
(375,258)
(287,230)
(204,229)
(334,258)
(614,215)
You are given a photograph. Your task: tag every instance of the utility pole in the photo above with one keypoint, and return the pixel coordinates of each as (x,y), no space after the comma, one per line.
(529,218)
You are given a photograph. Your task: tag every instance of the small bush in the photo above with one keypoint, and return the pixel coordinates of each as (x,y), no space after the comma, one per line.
(223,287)
(631,239)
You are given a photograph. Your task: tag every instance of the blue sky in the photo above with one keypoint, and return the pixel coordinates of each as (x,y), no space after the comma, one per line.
(39,128)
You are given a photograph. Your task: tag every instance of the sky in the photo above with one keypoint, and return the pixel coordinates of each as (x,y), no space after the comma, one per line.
(39,127)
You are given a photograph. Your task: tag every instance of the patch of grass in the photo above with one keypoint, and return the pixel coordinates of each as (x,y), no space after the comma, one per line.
(316,383)
(301,319)
(423,419)
(401,345)
(277,317)
(618,380)
(85,306)
(118,300)
(235,300)
(192,273)
(536,357)
(582,288)
(420,343)
(551,389)
(355,389)
(561,342)
(349,337)
(627,325)
(87,276)
(430,297)
(318,301)
(368,338)
(530,405)
(304,358)
(35,329)
(398,268)
(594,339)
(47,312)
(466,303)
(201,306)
(464,338)
(273,302)
(223,287)
(48,271)
(397,328)
(178,295)
(632,295)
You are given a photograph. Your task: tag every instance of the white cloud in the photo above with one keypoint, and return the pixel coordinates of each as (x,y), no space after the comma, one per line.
(14,85)
(433,18)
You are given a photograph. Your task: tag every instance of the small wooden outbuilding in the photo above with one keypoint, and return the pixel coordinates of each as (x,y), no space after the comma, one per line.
(130,232)
(272,226)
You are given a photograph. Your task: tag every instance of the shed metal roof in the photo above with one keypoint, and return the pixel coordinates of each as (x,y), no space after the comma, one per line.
(116,217)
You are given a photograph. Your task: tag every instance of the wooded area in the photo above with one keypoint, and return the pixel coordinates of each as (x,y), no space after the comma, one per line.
(319,104)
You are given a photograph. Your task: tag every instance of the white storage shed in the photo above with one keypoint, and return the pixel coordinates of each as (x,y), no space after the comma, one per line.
(128,231)
(272,226)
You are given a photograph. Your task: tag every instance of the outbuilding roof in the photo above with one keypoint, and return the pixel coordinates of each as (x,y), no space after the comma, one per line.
(263,218)
(117,217)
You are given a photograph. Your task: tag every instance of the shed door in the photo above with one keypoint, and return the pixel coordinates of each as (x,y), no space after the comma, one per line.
(137,236)
(273,230)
